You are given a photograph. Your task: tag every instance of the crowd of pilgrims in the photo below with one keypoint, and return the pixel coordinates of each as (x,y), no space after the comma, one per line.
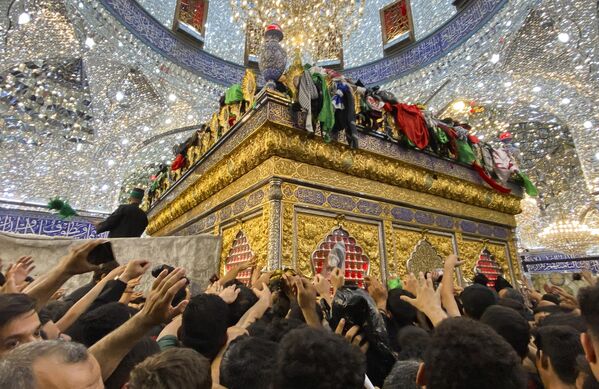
(287,331)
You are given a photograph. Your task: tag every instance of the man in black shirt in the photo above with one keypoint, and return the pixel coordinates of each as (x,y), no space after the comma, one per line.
(128,221)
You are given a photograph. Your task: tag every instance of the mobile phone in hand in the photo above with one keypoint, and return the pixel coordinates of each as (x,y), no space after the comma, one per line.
(101,254)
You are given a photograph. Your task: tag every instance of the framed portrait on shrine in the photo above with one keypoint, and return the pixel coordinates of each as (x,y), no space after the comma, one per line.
(190,19)
(396,26)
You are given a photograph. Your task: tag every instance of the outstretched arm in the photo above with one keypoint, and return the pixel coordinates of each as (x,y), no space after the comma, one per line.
(83,303)
(428,300)
(235,270)
(306,299)
(111,349)
(447,295)
(258,309)
(72,264)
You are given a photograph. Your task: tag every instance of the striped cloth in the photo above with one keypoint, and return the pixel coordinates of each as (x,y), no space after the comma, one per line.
(307,92)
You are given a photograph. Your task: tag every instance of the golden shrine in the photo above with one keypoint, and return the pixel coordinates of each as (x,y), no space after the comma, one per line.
(283,196)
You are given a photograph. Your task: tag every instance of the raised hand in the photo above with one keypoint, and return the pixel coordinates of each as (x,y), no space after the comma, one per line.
(588,277)
(246,265)
(322,285)
(214,288)
(411,284)
(452,262)
(132,284)
(21,272)
(428,300)
(263,294)
(352,335)
(134,269)
(158,307)
(58,294)
(229,294)
(566,298)
(136,295)
(377,291)
(10,286)
(76,261)
(263,278)
(306,293)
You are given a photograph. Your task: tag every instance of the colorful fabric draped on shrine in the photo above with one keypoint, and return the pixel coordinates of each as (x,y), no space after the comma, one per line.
(410,121)
(334,104)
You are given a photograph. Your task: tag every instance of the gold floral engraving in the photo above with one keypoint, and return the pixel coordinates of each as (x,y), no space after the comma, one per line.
(468,251)
(404,242)
(248,88)
(424,258)
(514,259)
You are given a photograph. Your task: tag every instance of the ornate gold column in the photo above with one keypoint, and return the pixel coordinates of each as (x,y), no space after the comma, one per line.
(275,196)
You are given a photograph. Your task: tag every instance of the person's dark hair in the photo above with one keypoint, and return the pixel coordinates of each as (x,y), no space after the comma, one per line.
(143,349)
(588,299)
(2,279)
(174,368)
(295,312)
(516,306)
(313,358)
(274,329)
(13,305)
(510,325)
(502,283)
(402,376)
(244,301)
(412,342)
(204,325)
(561,345)
(475,299)
(513,294)
(564,319)
(247,351)
(44,316)
(281,304)
(403,312)
(101,321)
(551,298)
(16,368)
(467,354)
(57,309)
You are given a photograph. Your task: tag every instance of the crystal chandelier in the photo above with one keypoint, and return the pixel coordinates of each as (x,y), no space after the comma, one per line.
(570,236)
(316,27)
